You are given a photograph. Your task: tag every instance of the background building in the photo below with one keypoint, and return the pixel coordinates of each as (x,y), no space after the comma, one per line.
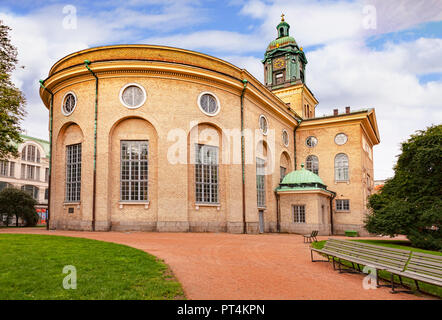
(30,171)
(149,138)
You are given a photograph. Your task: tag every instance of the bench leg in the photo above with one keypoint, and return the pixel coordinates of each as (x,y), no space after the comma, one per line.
(417,285)
(311,255)
(377,278)
(392,284)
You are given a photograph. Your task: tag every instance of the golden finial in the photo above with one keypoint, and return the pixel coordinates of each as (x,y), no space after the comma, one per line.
(302,49)
(282,17)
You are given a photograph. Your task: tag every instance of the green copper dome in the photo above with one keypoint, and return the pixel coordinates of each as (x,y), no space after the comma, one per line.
(302,180)
(279,42)
(301,177)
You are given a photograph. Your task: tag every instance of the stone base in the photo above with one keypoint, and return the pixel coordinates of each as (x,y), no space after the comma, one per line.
(134,226)
(207,226)
(271,227)
(76,225)
(252,227)
(172,226)
(305,228)
(235,227)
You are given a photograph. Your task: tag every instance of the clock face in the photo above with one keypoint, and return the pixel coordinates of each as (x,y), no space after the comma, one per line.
(279,63)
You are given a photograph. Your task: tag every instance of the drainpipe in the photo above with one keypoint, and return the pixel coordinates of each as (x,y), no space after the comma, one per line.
(243,159)
(331,213)
(278,213)
(94,187)
(50,150)
(294,140)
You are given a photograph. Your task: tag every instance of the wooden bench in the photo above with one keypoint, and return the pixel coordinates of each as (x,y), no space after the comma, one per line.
(422,267)
(378,257)
(312,236)
(417,266)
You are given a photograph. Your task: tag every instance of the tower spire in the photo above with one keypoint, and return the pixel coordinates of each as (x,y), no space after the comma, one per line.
(282,17)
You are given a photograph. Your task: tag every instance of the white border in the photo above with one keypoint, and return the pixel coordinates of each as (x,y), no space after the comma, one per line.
(136,85)
(345,140)
(288,138)
(259,124)
(314,145)
(217,103)
(62,103)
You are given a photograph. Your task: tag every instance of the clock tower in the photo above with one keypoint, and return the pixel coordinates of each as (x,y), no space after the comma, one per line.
(284,72)
(284,62)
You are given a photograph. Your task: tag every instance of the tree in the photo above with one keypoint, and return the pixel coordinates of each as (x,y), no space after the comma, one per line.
(12,101)
(18,203)
(411,202)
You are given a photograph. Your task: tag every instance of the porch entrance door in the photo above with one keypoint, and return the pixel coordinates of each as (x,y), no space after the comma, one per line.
(261,221)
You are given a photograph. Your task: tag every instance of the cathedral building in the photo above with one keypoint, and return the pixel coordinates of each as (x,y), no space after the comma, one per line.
(155,138)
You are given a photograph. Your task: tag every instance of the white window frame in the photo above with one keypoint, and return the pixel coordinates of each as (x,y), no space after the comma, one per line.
(341,204)
(312,166)
(345,169)
(62,103)
(217,104)
(317,141)
(346,138)
(288,137)
(136,85)
(204,176)
(139,165)
(260,183)
(70,196)
(298,215)
(267,124)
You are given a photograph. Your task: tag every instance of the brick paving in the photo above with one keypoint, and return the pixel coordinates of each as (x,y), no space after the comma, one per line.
(232,266)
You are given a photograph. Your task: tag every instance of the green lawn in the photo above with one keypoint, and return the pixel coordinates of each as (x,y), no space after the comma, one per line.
(31,267)
(399,244)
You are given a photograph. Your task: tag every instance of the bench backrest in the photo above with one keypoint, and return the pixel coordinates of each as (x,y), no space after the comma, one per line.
(428,265)
(315,233)
(389,257)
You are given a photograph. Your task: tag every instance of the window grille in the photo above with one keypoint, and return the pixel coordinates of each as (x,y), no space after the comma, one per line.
(206,174)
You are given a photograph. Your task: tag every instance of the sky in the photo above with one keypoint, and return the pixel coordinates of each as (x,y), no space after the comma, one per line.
(382,54)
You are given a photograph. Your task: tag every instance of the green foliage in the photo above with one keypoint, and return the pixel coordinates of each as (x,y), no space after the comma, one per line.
(411,202)
(12,100)
(19,204)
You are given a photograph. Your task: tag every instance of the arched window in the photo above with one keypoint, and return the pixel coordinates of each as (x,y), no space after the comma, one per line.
(313,164)
(341,167)
(30,153)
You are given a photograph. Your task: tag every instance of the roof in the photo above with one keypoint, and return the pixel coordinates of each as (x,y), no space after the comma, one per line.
(279,42)
(43,143)
(302,176)
(302,180)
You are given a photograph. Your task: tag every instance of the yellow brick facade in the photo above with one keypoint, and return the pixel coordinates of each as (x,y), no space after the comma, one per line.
(172,123)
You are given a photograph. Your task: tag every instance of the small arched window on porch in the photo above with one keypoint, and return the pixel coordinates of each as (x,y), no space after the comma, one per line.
(312,163)
(341,167)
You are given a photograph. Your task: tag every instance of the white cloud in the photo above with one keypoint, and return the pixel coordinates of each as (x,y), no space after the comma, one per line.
(214,40)
(347,73)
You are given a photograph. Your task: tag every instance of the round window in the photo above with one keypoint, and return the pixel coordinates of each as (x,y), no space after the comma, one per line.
(341,138)
(133,95)
(208,103)
(69,103)
(311,141)
(285,137)
(263,124)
